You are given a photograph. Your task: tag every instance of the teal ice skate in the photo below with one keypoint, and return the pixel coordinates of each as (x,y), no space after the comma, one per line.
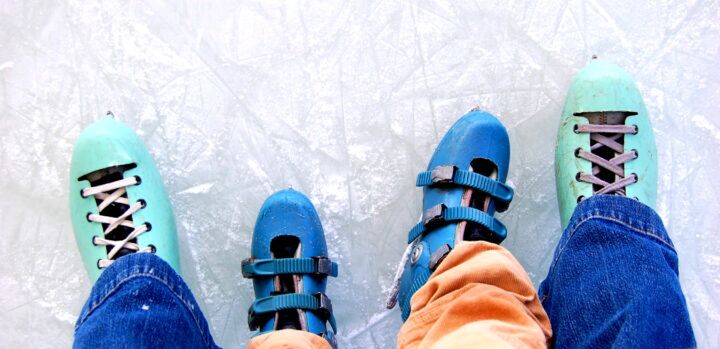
(605,142)
(118,204)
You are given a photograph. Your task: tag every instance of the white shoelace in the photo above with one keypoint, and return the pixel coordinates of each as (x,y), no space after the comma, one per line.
(112,193)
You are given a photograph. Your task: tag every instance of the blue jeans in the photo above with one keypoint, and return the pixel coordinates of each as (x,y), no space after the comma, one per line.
(613,282)
(141,302)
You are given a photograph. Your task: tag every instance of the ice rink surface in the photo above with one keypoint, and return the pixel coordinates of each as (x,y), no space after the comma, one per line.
(344,101)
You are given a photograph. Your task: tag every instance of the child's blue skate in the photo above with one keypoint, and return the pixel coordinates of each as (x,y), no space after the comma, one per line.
(463,187)
(289,268)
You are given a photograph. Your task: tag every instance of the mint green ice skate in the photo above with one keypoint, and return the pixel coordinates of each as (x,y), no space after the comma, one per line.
(605,143)
(118,204)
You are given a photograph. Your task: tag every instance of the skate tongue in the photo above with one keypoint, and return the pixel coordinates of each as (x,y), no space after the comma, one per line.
(114,209)
(287,246)
(607,151)
(606,118)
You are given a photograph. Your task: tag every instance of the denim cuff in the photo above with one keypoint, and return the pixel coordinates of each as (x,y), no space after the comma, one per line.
(133,266)
(622,210)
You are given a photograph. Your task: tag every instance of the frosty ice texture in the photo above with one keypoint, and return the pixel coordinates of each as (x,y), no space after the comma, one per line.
(346,103)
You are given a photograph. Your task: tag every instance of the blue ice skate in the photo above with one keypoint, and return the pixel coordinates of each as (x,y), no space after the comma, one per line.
(463,187)
(289,268)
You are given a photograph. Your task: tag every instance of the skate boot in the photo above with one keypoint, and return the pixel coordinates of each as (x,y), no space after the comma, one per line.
(289,267)
(605,143)
(118,204)
(463,187)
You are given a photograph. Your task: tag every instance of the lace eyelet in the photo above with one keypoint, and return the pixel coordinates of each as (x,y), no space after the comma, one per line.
(93,240)
(97,264)
(637,178)
(636,198)
(637,155)
(577,176)
(82,195)
(138,180)
(148,225)
(577,152)
(575,129)
(143,203)
(153,249)
(580,198)
(87,217)
(636,130)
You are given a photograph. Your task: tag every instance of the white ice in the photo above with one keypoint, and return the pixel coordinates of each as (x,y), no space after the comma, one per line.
(344,101)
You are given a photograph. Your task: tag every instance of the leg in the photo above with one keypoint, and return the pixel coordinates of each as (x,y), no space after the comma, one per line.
(125,232)
(140,301)
(614,280)
(290,338)
(456,285)
(479,294)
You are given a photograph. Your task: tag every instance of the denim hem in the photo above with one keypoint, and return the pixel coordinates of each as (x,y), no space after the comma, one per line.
(634,215)
(141,265)
(630,212)
(613,280)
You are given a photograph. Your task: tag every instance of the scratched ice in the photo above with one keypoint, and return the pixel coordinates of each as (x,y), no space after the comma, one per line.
(344,101)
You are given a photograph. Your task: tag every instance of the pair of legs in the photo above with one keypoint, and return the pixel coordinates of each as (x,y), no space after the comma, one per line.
(613,280)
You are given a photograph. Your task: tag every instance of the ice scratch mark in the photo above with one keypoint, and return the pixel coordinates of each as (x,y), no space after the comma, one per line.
(198,189)
(705,125)
(374,320)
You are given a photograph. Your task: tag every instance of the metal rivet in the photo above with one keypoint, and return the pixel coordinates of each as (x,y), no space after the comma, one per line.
(416,253)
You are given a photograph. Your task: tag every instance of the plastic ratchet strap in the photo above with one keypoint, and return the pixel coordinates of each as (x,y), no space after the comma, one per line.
(440,215)
(264,307)
(271,267)
(447,175)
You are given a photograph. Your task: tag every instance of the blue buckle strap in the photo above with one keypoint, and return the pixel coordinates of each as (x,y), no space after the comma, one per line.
(270,267)
(264,308)
(445,175)
(419,280)
(440,215)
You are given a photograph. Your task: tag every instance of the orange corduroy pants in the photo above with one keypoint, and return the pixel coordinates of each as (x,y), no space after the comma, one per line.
(479,295)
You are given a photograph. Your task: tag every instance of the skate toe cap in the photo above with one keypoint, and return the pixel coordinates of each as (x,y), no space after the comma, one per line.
(603,86)
(105,143)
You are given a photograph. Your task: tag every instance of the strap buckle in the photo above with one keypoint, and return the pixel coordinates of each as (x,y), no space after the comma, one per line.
(323,265)
(246,272)
(438,256)
(443,174)
(324,308)
(434,216)
(254,320)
